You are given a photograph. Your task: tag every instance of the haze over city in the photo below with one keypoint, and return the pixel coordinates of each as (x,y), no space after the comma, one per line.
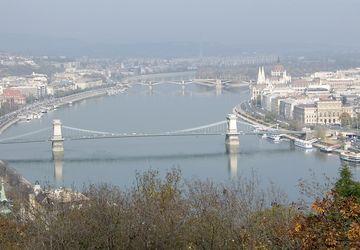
(282,25)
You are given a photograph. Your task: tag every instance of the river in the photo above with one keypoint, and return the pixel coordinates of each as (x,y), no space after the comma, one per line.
(164,108)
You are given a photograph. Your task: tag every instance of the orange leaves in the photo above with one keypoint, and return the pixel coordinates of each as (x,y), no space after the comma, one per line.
(318,207)
(354,232)
(334,224)
(298,227)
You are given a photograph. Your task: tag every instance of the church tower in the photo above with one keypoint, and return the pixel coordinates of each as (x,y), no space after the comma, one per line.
(261,76)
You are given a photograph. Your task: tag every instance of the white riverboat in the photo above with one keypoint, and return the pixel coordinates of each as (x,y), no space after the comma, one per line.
(350,156)
(274,138)
(303,143)
(329,149)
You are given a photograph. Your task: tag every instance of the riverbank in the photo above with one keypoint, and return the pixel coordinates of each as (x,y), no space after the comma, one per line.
(8,124)
(16,185)
(56,102)
(242,114)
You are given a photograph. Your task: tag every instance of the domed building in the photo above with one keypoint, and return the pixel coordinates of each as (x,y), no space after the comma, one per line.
(279,74)
(278,79)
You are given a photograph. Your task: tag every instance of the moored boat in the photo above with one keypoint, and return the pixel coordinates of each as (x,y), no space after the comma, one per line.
(326,149)
(303,144)
(274,138)
(350,156)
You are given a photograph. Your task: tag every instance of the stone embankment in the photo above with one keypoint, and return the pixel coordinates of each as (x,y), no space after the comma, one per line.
(58,102)
(16,186)
(239,112)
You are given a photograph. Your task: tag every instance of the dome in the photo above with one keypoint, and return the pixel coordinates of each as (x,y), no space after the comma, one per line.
(278,68)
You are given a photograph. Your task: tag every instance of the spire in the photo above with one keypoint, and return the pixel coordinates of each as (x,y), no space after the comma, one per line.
(259,78)
(278,60)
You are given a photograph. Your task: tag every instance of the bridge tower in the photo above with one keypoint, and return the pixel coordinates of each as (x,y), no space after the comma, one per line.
(232,137)
(57,139)
(218,87)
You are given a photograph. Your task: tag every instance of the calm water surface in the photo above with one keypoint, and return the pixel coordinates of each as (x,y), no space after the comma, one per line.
(165,108)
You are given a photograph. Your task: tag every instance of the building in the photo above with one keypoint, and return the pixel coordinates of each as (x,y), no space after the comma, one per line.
(317,90)
(14,96)
(256,91)
(278,79)
(305,114)
(279,75)
(321,112)
(286,106)
(330,111)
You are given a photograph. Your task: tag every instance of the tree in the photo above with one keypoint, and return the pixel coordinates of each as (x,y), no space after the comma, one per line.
(333,223)
(345,119)
(320,133)
(356,121)
(270,117)
(335,219)
(346,186)
(12,234)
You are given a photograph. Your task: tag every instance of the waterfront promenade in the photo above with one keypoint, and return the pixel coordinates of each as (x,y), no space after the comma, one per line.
(244,115)
(12,118)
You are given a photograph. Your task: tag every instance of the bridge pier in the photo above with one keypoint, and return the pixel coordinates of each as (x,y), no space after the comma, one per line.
(57,139)
(232,136)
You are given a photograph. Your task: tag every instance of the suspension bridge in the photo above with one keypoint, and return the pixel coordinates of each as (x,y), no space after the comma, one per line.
(58,133)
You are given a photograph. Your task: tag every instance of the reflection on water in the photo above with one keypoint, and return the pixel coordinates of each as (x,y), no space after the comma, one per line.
(353,165)
(58,158)
(232,151)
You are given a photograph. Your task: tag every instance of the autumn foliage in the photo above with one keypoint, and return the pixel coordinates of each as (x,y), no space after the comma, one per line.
(334,221)
(170,213)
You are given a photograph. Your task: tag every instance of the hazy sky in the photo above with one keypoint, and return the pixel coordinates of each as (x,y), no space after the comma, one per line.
(229,21)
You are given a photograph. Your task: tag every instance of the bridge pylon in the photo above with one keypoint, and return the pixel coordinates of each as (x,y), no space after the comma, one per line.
(57,139)
(232,136)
